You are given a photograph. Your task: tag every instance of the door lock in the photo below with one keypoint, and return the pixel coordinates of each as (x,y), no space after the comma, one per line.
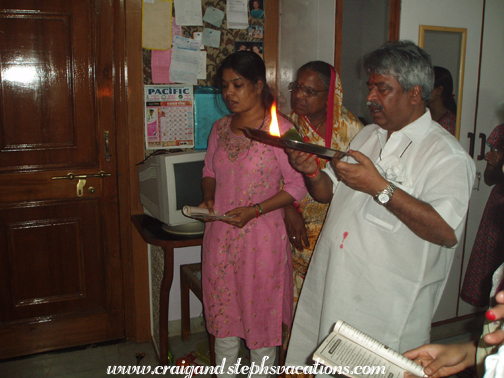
(82,180)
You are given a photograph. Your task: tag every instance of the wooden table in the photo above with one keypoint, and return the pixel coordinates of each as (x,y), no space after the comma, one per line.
(153,233)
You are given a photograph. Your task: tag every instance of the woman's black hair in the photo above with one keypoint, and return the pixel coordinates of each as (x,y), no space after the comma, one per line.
(323,70)
(443,78)
(249,65)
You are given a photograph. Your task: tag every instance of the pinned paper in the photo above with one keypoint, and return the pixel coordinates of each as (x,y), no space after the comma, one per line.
(156,24)
(186,43)
(185,60)
(160,66)
(184,66)
(198,36)
(214,16)
(237,14)
(211,38)
(202,71)
(176,30)
(188,12)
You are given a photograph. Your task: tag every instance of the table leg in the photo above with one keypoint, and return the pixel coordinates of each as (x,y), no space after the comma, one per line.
(164,302)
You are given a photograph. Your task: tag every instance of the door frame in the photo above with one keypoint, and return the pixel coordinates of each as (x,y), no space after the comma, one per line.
(130,151)
(393,32)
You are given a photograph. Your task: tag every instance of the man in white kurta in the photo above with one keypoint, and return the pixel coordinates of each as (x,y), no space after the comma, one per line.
(381,266)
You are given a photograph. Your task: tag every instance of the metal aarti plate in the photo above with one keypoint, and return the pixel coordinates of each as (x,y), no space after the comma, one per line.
(266,138)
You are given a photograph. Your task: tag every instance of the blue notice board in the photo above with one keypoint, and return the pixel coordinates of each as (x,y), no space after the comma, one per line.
(208,108)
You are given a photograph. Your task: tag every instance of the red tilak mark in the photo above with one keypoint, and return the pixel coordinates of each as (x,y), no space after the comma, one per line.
(372,79)
(345,234)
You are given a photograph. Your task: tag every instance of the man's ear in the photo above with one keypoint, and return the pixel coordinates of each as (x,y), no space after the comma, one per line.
(416,94)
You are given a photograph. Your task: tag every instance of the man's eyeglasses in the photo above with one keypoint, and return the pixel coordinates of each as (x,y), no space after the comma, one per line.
(308,92)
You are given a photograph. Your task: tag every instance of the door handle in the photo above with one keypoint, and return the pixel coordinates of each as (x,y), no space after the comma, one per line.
(481,156)
(82,180)
(477,181)
(106,138)
(471,144)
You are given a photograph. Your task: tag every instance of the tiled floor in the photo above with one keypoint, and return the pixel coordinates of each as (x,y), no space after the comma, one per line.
(94,360)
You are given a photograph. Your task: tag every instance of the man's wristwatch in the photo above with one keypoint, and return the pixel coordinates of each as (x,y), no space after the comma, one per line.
(384,196)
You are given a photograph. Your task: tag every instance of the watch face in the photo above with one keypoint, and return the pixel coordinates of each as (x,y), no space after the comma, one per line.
(383,197)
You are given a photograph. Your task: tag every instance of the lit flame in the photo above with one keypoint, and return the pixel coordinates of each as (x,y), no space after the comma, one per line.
(274,129)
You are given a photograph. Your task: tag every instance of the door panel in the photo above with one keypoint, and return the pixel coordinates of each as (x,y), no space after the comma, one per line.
(55,283)
(46,88)
(60,267)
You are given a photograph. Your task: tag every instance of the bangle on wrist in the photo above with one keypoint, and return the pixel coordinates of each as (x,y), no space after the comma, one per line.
(296,206)
(313,174)
(258,210)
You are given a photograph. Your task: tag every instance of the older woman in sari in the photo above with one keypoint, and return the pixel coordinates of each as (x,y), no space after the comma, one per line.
(320,118)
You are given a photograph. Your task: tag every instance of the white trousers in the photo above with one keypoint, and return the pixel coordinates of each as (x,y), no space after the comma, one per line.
(229,348)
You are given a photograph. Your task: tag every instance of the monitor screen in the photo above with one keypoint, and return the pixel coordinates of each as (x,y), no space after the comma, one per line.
(188,183)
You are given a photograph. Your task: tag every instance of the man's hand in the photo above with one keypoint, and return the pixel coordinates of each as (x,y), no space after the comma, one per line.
(443,360)
(361,176)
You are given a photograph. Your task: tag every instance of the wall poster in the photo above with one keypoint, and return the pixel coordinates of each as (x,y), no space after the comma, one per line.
(169,119)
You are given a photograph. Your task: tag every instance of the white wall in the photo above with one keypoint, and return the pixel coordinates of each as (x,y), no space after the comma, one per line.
(187,255)
(306,33)
(468,14)
(365,27)
(455,14)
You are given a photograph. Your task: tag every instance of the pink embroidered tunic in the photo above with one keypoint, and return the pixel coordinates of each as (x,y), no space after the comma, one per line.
(247,272)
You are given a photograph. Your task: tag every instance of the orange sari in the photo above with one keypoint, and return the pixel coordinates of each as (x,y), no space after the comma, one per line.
(341,127)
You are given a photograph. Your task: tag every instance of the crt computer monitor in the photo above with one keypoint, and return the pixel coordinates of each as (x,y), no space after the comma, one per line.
(170,181)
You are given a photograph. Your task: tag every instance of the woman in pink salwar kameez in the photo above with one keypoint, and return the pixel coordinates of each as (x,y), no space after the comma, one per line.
(246,259)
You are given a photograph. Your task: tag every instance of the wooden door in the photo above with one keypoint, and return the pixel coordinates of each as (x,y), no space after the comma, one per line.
(60,263)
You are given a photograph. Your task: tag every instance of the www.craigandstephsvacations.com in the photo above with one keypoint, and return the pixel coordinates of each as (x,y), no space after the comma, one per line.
(253,369)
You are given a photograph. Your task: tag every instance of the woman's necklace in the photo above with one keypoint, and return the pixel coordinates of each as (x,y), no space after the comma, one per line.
(247,124)
(315,127)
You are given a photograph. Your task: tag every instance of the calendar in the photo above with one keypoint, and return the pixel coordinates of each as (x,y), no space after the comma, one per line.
(169,116)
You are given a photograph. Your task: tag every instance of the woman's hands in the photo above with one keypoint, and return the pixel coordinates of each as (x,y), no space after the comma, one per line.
(493,171)
(208,189)
(495,158)
(443,360)
(296,229)
(242,215)
(496,313)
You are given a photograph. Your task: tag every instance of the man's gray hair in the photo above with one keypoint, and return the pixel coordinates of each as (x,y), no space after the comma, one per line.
(405,61)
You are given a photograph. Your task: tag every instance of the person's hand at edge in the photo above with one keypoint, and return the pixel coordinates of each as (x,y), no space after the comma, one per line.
(443,360)
(496,313)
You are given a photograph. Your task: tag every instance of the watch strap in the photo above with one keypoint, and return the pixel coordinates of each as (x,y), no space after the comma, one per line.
(389,191)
